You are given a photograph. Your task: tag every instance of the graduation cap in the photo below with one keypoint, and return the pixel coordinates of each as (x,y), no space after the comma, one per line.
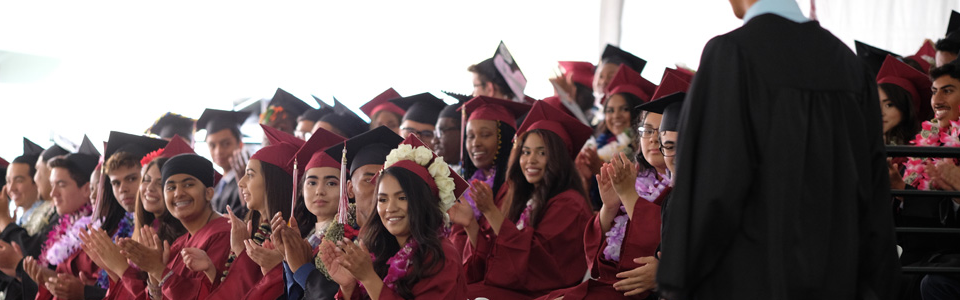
(925,56)
(215,120)
(3,167)
(509,70)
(136,145)
(31,152)
(53,151)
(175,147)
(872,56)
(283,146)
(629,81)
(488,108)
(459,184)
(382,102)
(953,26)
(423,108)
(345,120)
(450,111)
(669,106)
(368,148)
(914,82)
(86,159)
(578,71)
(684,74)
(311,153)
(546,116)
(290,103)
(558,104)
(314,115)
(322,104)
(615,55)
(171,124)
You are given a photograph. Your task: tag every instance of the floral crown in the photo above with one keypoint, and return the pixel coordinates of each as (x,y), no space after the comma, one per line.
(414,156)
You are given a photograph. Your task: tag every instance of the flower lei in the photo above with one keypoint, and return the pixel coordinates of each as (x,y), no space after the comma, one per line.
(478,175)
(649,187)
(272,113)
(63,240)
(615,236)
(399,264)
(437,168)
(525,215)
(124,229)
(930,135)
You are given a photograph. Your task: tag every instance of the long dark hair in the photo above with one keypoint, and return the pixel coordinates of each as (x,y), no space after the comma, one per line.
(426,221)
(557,178)
(305,218)
(505,135)
(170,228)
(278,185)
(909,125)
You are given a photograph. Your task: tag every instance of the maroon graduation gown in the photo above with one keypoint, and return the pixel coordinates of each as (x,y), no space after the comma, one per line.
(449,283)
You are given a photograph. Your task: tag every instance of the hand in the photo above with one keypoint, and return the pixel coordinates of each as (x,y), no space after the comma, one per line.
(97,244)
(266,256)
(197,260)
(37,273)
(461,214)
(356,259)
(896,179)
(298,251)
(276,227)
(238,163)
(949,175)
(624,176)
(582,164)
(640,279)
(483,196)
(607,192)
(592,159)
(238,232)
(331,255)
(562,84)
(150,255)
(5,217)
(65,286)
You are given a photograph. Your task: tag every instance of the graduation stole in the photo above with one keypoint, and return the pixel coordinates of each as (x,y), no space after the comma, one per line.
(930,135)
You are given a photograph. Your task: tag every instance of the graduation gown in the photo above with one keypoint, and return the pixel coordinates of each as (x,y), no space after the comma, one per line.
(641,239)
(247,281)
(528,263)
(181,282)
(449,283)
(76,263)
(781,189)
(308,282)
(457,233)
(25,288)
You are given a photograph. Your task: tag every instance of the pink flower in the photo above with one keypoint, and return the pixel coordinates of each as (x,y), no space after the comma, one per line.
(926,126)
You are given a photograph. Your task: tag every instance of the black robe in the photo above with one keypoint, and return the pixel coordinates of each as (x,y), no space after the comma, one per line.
(781,189)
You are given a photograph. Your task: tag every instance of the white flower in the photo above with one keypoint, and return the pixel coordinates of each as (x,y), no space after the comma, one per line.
(439,168)
(445,187)
(422,155)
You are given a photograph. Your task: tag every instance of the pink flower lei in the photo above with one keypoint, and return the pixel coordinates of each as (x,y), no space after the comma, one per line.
(931,135)
(525,216)
(400,264)
(63,240)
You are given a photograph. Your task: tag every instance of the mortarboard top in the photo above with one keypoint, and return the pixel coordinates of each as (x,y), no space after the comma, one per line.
(382,102)
(953,26)
(683,74)
(138,146)
(290,103)
(914,82)
(669,107)
(314,115)
(86,158)
(460,185)
(4,163)
(368,148)
(283,146)
(671,84)
(322,104)
(215,120)
(31,148)
(311,154)
(171,124)
(87,147)
(423,108)
(629,81)
(509,70)
(925,56)
(547,117)
(450,111)
(345,119)
(578,71)
(488,108)
(53,151)
(872,56)
(558,104)
(613,54)
(174,147)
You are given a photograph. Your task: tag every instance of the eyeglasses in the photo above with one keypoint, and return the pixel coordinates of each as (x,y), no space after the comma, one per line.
(648,132)
(439,132)
(668,151)
(422,134)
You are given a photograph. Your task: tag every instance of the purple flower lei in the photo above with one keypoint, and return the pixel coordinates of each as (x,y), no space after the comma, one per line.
(64,240)
(615,236)
(649,187)
(399,264)
(478,175)
(525,216)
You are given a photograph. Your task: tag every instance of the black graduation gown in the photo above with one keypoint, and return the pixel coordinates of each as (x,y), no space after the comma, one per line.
(24,288)
(781,189)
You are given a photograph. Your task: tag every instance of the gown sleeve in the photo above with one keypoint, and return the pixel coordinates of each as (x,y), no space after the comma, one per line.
(182,283)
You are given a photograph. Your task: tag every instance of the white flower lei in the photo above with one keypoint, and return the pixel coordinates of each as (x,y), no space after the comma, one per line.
(438,169)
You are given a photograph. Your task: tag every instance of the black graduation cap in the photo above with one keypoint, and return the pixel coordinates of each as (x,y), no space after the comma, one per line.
(451,110)
(669,106)
(953,26)
(214,120)
(171,124)
(510,71)
(872,56)
(615,55)
(31,152)
(86,158)
(423,108)
(52,152)
(341,117)
(314,115)
(136,145)
(290,103)
(368,148)
(322,104)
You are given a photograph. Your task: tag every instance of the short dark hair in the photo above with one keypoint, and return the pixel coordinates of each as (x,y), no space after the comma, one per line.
(948,45)
(946,69)
(76,173)
(30,160)
(487,72)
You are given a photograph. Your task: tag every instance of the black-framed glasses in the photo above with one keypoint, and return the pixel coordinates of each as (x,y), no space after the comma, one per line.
(648,132)
(668,151)
(422,134)
(440,130)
